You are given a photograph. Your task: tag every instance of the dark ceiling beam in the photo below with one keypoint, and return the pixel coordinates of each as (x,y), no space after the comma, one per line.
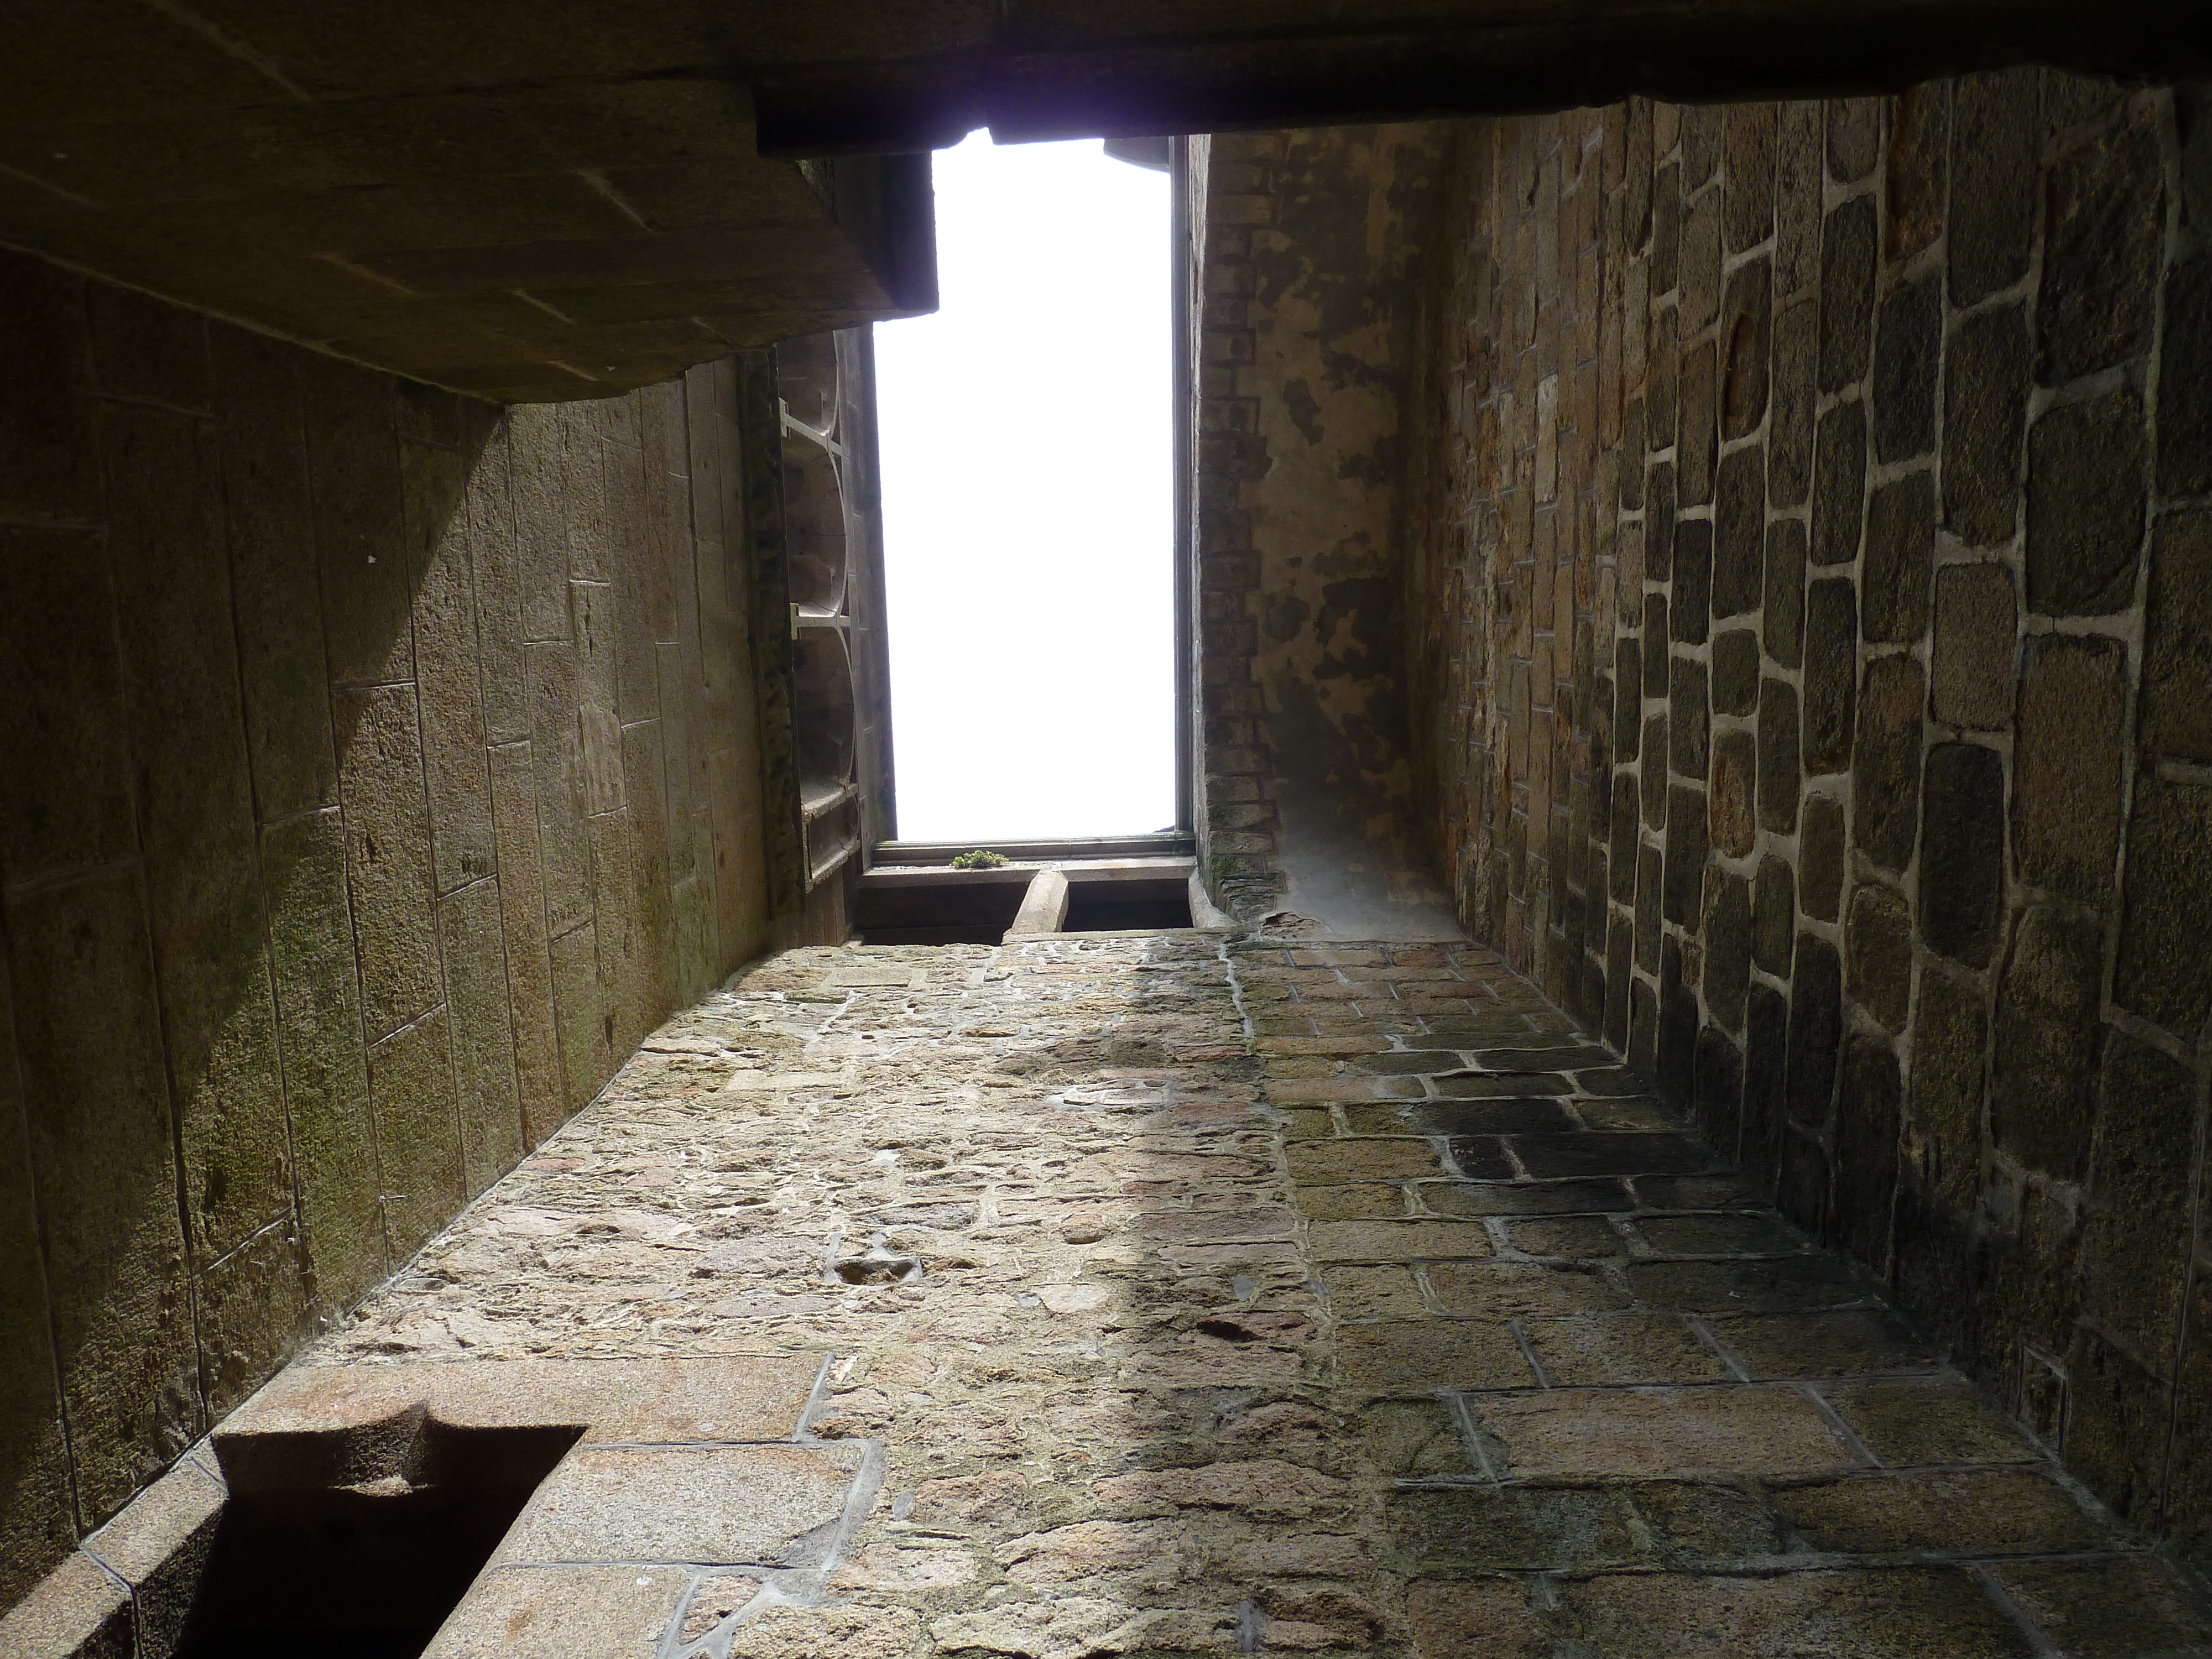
(1056,70)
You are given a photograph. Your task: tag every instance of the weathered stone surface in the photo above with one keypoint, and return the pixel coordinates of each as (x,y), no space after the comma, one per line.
(410,1090)
(1790,431)
(1832,639)
(1689,721)
(1782,621)
(1649,881)
(1986,384)
(1839,485)
(1900,554)
(1976,618)
(2136,1239)
(1993,196)
(1907,348)
(1847,267)
(541,1091)
(1746,347)
(2174,714)
(2042,1102)
(1727,936)
(1815,1030)
(2185,391)
(1962,851)
(2165,974)
(2107,211)
(1914,182)
(1684,885)
(388,854)
(540,1613)
(2066,766)
(1774,918)
(1879,942)
(1867,1111)
(1885,764)
(1950,1032)
(1734,786)
(251,1316)
(1739,533)
(2085,507)
(1693,580)
(469,927)
(95,1097)
(449,689)
(1822,856)
(361,537)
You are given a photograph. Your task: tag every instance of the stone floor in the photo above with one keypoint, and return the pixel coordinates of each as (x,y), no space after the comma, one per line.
(1185,1295)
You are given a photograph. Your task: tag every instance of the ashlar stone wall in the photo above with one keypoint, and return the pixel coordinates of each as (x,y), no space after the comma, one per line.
(376,769)
(1811,630)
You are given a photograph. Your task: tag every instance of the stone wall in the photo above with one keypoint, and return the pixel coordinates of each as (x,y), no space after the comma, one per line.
(375,771)
(1811,620)
(1312,243)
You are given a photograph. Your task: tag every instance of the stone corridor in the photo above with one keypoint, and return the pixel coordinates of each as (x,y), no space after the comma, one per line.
(1182,1293)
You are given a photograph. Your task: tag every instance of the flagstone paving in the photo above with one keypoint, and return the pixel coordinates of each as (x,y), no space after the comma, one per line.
(1189,1294)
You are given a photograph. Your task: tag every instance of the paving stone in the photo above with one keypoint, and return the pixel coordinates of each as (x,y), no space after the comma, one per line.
(1468,1531)
(536,1612)
(1580,1434)
(1568,1235)
(1986,381)
(1397,1240)
(1753,1285)
(1847,1343)
(1421,1359)
(1969,1512)
(2106,1609)
(1865,1612)
(1521,1289)
(1474,1117)
(2085,507)
(1322,1160)
(1976,618)
(1936,1421)
(1528,1198)
(1615,1349)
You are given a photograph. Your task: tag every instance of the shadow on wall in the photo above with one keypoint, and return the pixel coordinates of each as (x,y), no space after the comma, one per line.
(378,768)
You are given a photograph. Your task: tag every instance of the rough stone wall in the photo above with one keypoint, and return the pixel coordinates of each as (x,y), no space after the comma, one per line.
(1815,601)
(375,771)
(1308,367)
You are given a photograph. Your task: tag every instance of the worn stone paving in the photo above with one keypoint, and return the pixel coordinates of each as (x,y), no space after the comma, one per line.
(1189,1293)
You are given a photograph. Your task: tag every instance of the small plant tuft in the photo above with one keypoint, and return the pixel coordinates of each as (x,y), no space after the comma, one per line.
(981,858)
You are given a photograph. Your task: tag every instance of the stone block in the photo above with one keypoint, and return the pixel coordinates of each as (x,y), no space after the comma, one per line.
(1728,939)
(470,928)
(252,1315)
(1916,177)
(1739,533)
(1975,620)
(2102,244)
(1734,784)
(2184,387)
(1920,1421)
(1693,580)
(1735,672)
(1886,763)
(583,1026)
(1627,708)
(49,451)
(1981,1511)
(449,682)
(1854,138)
(269,526)
(1839,485)
(1997,164)
(1748,146)
(2165,973)
(1699,436)
(1571,1435)
(2117,1413)
(410,1090)
(1773,914)
(1831,638)
(2174,714)
(1665,227)
(1815,1030)
(65,790)
(1662,380)
(1684,885)
(1747,326)
(1798,190)
(1907,349)
(2085,507)
(146,349)
(621,946)
(547,1613)
(1701,260)
(1985,387)
(1868,1111)
(160,1549)
(1777,769)
(537,1054)
(1789,435)
(1655,645)
(388,854)
(1821,853)
(1950,1031)
(2066,765)
(1900,553)
(96,1101)
(655,989)
(1653,772)
(1962,851)
(1465,1619)
(195,804)
(1765,1077)
(361,537)
(2105,1606)
(1421,1359)
(2043,1101)
(1648,893)
(303,872)
(79,1611)
(1687,721)
(1622,855)
(1659,516)
(1848,250)
(2134,1259)
(1782,619)
(556,752)
(1879,942)
(36,1527)
(1674,1615)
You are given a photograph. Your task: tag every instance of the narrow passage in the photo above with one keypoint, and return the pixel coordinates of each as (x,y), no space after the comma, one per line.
(1163,1295)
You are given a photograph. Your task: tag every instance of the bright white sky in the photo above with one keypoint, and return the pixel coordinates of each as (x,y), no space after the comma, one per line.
(1028,482)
